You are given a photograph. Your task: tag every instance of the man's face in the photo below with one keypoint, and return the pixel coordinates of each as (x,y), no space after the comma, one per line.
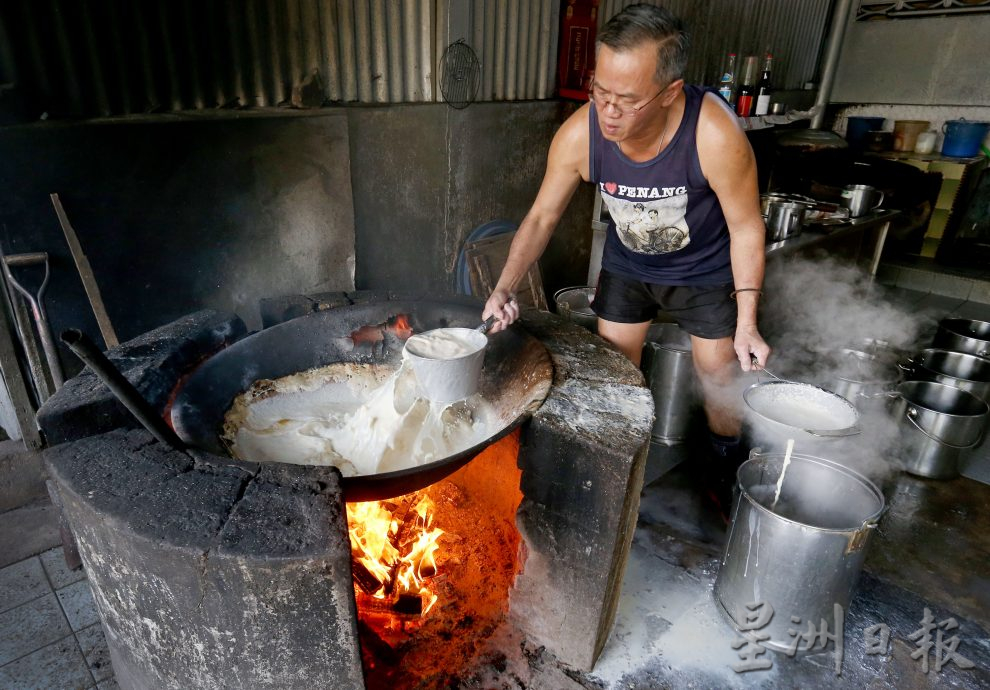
(626,79)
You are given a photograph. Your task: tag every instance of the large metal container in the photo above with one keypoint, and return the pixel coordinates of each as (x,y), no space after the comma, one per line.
(938,424)
(963,335)
(574,304)
(669,371)
(801,555)
(864,379)
(959,369)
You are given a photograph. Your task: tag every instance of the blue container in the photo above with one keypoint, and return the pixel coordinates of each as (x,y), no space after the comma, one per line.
(857,127)
(963,138)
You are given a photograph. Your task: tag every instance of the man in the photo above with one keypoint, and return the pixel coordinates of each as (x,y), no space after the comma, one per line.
(678,176)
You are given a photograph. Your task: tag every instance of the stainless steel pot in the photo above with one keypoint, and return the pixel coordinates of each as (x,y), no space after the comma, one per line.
(784,219)
(864,379)
(938,423)
(574,304)
(802,555)
(669,371)
(771,198)
(962,370)
(963,335)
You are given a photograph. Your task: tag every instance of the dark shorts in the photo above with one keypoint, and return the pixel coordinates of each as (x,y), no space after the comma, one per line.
(707,311)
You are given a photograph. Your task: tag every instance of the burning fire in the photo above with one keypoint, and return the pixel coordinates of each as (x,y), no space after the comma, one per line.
(393,552)
(398,326)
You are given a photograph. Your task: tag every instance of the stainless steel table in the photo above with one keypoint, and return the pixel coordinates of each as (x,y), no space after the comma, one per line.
(859,241)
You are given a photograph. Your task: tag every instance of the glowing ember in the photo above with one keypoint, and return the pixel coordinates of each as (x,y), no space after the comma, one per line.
(393,547)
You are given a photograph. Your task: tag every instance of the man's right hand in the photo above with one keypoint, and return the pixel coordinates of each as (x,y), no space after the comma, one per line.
(503,306)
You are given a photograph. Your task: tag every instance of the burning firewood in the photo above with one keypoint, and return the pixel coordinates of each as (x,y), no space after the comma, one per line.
(363,577)
(392,553)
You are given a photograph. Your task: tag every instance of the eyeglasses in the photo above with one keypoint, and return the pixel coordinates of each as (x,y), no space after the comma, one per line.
(597,95)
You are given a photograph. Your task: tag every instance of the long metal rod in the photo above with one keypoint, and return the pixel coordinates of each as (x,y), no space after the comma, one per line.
(833,49)
(124,390)
(86,274)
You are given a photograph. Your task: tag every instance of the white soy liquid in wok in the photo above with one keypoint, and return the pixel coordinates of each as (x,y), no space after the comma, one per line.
(364,419)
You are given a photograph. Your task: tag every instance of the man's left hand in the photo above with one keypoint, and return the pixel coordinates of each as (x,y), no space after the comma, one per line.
(751,349)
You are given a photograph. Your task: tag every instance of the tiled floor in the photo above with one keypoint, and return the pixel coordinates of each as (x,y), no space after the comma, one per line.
(50,634)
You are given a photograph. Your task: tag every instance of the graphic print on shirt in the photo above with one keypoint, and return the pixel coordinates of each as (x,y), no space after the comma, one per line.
(648,220)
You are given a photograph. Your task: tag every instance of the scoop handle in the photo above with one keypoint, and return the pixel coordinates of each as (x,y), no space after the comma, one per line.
(483,328)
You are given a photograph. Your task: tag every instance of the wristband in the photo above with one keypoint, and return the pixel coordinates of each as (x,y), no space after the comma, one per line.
(733,294)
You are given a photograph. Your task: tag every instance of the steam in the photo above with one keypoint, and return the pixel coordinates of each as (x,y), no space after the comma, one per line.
(817,315)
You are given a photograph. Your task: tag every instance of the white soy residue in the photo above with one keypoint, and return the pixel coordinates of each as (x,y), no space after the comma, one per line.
(444,343)
(594,408)
(804,407)
(363,425)
(666,618)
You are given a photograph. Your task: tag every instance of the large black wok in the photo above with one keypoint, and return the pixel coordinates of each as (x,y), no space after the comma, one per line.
(515,380)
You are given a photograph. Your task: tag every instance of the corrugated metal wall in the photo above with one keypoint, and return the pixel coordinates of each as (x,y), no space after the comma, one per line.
(793,30)
(87,58)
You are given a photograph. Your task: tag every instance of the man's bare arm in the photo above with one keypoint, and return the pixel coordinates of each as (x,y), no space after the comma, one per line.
(567,165)
(728,162)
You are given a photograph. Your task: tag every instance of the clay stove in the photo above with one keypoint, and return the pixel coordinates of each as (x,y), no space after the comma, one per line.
(213,573)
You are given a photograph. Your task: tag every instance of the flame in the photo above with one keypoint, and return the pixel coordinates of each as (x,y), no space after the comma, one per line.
(401,327)
(371,334)
(401,557)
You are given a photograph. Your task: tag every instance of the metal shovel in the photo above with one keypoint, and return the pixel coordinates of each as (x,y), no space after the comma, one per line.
(37,304)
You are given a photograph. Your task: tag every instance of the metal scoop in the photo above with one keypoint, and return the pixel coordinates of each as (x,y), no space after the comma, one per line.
(824,433)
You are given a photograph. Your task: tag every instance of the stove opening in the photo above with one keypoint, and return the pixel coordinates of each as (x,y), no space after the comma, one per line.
(432,571)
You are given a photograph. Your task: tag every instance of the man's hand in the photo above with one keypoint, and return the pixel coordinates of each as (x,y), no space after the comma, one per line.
(503,307)
(751,349)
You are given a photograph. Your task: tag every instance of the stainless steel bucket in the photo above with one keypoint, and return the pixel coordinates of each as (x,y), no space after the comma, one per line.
(802,556)
(669,371)
(963,335)
(864,379)
(959,369)
(574,304)
(939,423)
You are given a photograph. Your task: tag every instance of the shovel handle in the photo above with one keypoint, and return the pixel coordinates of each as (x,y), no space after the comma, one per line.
(29,259)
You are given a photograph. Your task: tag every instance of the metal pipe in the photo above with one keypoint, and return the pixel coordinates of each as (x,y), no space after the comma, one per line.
(833,48)
(124,390)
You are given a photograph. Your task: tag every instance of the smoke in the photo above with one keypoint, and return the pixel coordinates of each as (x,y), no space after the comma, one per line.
(832,327)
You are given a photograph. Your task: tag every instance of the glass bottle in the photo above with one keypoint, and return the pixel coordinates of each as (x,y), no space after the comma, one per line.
(764,89)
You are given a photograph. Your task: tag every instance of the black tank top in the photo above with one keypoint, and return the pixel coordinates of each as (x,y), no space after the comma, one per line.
(666,225)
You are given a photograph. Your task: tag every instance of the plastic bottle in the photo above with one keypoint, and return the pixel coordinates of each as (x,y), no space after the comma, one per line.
(727,82)
(745,97)
(764,89)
